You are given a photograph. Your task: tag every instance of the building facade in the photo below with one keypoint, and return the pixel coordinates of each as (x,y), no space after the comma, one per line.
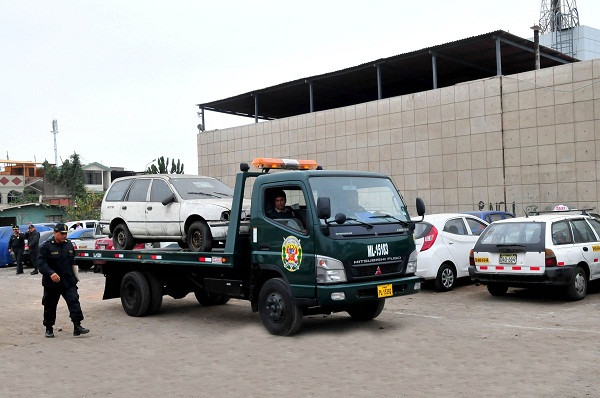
(525,142)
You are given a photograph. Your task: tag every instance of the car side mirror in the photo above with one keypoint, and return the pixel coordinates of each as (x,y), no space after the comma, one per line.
(168,199)
(323,207)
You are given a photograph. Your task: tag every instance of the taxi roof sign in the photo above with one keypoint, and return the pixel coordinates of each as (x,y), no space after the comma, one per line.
(287,164)
(561,208)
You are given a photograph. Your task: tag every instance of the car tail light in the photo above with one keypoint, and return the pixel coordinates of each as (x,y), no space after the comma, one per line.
(550,258)
(74,245)
(96,246)
(429,239)
(472,257)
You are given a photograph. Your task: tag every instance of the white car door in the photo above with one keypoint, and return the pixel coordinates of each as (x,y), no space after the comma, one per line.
(587,245)
(162,220)
(133,209)
(457,239)
(595,247)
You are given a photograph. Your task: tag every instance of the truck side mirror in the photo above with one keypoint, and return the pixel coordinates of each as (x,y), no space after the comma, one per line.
(323,207)
(168,199)
(420,207)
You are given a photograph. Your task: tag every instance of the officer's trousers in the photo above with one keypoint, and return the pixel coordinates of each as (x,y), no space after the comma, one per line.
(50,301)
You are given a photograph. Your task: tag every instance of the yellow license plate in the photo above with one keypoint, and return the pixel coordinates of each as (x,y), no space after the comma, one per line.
(385,291)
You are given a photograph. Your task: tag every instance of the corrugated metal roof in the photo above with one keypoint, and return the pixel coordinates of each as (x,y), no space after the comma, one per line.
(459,61)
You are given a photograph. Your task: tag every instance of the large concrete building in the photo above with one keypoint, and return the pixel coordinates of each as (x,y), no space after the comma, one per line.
(529,140)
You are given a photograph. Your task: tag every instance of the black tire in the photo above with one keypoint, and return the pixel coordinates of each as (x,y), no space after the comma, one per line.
(156,292)
(208,299)
(122,239)
(183,244)
(497,289)
(446,278)
(577,288)
(135,294)
(279,313)
(199,238)
(366,311)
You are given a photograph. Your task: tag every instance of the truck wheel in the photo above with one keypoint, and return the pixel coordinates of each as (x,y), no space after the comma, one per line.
(497,289)
(445,278)
(366,311)
(135,294)
(122,239)
(577,287)
(208,299)
(199,238)
(156,292)
(279,313)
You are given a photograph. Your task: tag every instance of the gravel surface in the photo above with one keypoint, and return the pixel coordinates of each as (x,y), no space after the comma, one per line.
(461,343)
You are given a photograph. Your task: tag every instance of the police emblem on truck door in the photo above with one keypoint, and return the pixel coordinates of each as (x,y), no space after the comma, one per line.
(291,253)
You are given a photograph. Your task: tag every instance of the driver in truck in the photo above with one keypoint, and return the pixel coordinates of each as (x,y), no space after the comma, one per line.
(280,210)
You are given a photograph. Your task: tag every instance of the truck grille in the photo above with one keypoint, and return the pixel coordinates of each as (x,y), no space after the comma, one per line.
(369,270)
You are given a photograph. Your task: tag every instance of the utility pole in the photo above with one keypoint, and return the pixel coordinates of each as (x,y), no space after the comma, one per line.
(55,131)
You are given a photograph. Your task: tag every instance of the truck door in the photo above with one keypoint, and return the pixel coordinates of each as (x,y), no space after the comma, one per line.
(282,235)
(162,220)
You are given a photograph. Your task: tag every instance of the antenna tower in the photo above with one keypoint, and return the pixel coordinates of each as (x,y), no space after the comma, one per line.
(559,17)
(55,131)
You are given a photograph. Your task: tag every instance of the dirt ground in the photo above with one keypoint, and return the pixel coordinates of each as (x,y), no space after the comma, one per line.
(460,343)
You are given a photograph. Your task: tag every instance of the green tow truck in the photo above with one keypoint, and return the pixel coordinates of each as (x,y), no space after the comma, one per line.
(345,243)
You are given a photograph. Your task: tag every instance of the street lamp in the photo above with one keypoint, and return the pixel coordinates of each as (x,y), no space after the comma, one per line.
(146,167)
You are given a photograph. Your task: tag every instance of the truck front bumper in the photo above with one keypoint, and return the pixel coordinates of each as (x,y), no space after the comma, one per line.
(351,293)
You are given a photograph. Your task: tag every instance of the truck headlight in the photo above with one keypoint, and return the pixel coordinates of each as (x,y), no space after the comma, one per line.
(411,266)
(329,270)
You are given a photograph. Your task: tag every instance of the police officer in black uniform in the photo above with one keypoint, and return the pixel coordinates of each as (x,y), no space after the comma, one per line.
(280,210)
(16,244)
(55,263)
(33,241)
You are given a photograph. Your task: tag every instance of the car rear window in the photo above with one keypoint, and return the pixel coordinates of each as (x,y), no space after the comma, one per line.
(422,229)
(117,190)
(526,235)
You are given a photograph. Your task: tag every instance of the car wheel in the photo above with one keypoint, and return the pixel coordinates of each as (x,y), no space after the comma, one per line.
(279,313)
(366,311)
(199,238)
(577,288)
(122,239)
(446,277)
(497,289)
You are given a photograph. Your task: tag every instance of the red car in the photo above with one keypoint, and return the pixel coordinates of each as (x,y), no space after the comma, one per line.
(107,244)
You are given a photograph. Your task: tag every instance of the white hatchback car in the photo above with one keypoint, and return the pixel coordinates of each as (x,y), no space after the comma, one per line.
(191,210)
(444,242)
(559,249)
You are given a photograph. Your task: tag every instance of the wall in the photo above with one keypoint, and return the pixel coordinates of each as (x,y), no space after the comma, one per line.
(529,138)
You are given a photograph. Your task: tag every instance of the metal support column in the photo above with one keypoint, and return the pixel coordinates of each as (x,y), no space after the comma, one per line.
(310,96)
(434,69)
(379,89)
(255,107)
(498,58)
(202,119)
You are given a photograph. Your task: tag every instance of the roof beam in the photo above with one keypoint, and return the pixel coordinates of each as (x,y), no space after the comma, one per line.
(525,48)
(461,62)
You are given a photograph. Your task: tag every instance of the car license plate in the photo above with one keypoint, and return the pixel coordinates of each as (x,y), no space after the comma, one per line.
(508,259)
(385,291)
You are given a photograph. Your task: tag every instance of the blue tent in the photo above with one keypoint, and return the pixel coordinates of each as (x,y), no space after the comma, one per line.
(5,233)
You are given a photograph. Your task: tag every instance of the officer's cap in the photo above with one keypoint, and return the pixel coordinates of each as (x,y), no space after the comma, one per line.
(15,227)
(61,227)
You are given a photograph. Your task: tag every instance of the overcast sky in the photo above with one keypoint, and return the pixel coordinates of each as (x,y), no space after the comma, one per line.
(123,77)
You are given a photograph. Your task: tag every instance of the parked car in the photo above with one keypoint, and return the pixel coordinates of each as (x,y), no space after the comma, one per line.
(491,215)
(556,249)
(444,242)
(106,243)
(83,238)
(191,210)
(72,225)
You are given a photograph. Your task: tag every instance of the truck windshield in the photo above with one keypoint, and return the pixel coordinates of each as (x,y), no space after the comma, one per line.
(371,200)
(201,188)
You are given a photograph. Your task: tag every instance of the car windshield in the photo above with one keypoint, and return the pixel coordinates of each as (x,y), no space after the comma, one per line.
(513,233)
(371,200)
(201,188)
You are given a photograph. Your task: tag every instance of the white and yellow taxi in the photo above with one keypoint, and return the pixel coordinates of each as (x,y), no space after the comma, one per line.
(560,248)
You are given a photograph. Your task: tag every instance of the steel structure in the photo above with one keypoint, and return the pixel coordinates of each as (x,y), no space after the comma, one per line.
(559,17)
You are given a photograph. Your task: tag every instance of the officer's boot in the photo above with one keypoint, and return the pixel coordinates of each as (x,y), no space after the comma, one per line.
(49,332)
(78,329)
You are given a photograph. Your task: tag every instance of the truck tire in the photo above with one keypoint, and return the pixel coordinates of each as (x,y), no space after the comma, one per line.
(577,288)
(209,299)
(279,313)
(135,294)
(156,292)
(122,239)
(446,277)
(199,238)
(366,311)
(497,289)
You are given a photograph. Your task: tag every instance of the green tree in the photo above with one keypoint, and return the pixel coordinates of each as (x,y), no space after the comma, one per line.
(69,175)
(85,207)
(162,167)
